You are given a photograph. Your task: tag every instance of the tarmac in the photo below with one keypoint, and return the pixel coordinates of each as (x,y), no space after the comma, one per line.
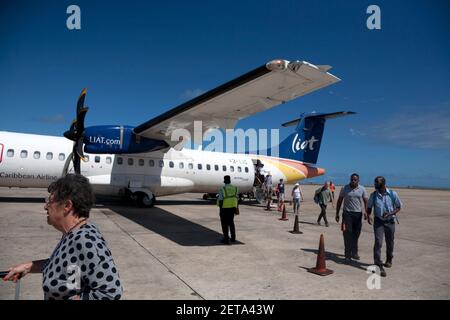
(173,251)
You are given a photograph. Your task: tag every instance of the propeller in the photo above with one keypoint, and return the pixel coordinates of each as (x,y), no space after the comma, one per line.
(75,133)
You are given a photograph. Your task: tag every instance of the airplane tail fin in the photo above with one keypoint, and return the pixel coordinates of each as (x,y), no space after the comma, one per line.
(304,144)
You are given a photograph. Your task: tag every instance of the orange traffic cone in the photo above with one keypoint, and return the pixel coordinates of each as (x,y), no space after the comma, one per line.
(321,268)
(283,215)
(296,230)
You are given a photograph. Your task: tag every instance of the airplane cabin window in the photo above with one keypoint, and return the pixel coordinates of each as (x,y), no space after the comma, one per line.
(49,156)
(36,155)
(199,166)
(10,153)
(224,168)
(108,160)
(171,164)
(24,154)
(151,163)
(97,159)
(208,167)
(191,166)
(141,162)
(119,160)
(231,168)
(62,156)
(181,165)
(130,161)
(239,169)
(161,163)
(216,167)
(246,169)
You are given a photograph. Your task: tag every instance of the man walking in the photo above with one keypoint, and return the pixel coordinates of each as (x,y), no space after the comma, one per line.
(228,204)
(332,188)
(280,195)
(297,197)
(324,197)
(268,184)
(386,205)
(353,195)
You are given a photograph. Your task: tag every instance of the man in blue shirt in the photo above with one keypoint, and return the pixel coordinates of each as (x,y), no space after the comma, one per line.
(386,205)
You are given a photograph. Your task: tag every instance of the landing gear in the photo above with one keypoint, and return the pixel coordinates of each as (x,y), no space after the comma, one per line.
(140,198)
(146,201)
(209,196)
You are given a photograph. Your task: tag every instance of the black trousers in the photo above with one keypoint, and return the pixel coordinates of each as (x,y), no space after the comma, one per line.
(353,224)
(323,213)
(227,221)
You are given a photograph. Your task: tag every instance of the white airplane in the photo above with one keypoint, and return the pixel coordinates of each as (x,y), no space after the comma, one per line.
(142,162)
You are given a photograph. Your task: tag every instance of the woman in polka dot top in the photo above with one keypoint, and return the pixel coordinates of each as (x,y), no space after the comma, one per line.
(81,266)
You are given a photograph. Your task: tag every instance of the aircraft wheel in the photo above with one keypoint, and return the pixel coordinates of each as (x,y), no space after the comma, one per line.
(146,201)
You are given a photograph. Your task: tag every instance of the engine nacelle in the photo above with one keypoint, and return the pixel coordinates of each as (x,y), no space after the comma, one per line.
(117,140)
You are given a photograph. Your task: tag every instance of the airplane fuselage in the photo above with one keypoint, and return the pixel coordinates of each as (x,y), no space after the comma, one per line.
(29,160)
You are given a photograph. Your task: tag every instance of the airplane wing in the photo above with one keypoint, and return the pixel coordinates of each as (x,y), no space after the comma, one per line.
(265,87)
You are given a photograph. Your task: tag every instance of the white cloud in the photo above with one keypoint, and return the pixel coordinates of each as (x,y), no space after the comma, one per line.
(355,132)
(426,130)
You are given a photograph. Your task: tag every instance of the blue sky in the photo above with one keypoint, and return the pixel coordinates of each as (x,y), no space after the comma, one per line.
(141,58)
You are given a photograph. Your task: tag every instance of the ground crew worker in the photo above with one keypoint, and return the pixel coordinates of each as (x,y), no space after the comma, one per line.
(228,204)
(386,205)
(351,194)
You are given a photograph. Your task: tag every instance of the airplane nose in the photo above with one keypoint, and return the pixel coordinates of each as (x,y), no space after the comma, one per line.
(320,171)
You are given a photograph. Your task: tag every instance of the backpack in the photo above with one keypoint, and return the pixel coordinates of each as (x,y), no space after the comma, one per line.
(317,195)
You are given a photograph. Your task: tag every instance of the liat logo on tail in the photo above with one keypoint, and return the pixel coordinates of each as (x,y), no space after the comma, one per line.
(304,144)
(298,145)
